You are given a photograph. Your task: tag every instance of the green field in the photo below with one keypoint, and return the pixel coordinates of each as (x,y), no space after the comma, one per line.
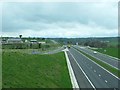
(0,68)
(22,70)
(109,51)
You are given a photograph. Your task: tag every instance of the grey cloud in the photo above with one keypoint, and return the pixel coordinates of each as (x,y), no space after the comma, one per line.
(41,16)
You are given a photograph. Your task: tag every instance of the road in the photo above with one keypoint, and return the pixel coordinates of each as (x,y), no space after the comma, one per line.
(59,49)
(88,73)
(104,58)
(54,42)
(56,50)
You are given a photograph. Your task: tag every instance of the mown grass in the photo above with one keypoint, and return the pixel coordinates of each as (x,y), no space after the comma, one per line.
(113,51)
(104,65)
(0,68)
(21,70)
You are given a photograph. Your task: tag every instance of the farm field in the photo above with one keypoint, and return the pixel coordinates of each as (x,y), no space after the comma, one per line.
(22,70)
(109,51)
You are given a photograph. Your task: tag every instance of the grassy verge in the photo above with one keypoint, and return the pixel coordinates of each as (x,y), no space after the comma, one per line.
(104,65)
(0,68)
(29,51)
(22,70)
(109,51)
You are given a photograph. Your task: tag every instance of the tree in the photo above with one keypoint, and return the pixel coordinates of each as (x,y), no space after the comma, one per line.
(30,45)
(20,36)
(43,38)
(39,45)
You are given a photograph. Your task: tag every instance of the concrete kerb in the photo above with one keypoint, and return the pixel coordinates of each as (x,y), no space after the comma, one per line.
(71,73)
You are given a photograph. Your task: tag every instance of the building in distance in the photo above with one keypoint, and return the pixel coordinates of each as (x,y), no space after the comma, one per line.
(14,41)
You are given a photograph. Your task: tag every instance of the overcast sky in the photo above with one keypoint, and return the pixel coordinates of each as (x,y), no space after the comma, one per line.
(60,19)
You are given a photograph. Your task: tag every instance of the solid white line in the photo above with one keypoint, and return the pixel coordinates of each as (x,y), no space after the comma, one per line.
(71,73)
(90,48)
(106,55)
(111,58)
(99,65)
(83,72)
(101,60)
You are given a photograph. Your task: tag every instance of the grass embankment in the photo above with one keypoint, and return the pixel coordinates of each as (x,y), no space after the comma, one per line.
(0,68)
(104,65)
(113,51)
(21,70)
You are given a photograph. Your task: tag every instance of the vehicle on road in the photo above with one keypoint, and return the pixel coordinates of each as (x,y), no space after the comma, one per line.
(68,46)
(95,52)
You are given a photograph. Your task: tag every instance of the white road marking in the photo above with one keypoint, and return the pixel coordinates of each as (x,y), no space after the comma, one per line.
(106,81)
(65,49)
(90,49)
(99,65)
(108,56)
(72,76)
(99,75)
(94,70)
(83,72)
(101,60)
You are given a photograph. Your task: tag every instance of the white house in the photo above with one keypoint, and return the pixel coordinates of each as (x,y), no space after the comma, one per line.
(14,40)
(33,41)
(42,42)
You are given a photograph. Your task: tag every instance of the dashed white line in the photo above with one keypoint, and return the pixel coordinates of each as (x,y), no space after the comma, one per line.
(94,70)
(99,65)
(83,72)
(106,81)
(101,60)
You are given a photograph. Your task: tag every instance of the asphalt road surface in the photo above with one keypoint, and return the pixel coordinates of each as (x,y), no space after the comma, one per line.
(89,74)
(59,49)
(109,60)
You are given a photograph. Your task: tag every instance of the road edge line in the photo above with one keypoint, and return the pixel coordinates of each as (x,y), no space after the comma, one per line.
(110,56)
(105,54)
(71,73)
(100,66)
(101,60)
(83,72)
